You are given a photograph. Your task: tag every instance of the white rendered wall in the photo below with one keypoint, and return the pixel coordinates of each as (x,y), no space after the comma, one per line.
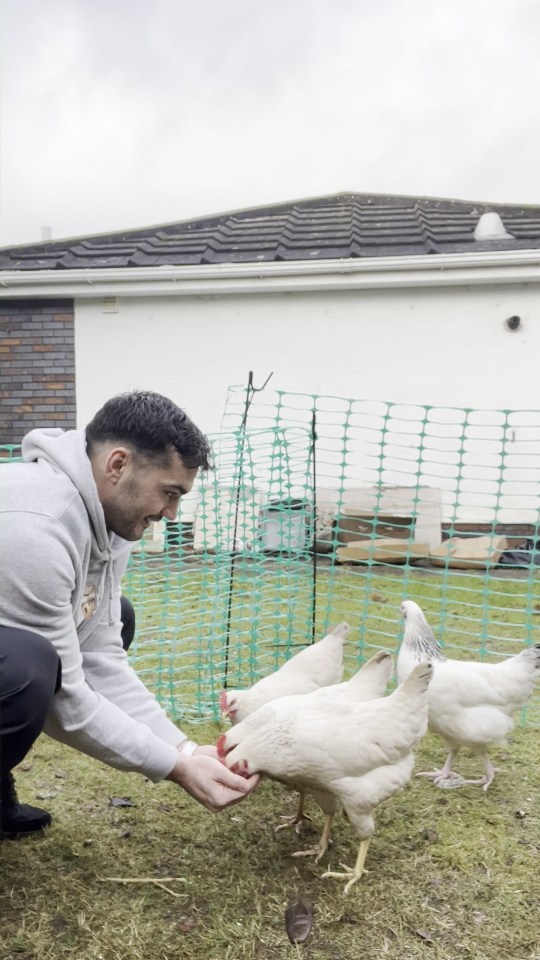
(446,346)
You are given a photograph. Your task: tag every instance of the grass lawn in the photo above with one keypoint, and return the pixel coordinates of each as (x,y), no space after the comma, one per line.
(453,874)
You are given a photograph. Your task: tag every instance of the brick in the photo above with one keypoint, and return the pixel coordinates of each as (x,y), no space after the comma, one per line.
(37,365)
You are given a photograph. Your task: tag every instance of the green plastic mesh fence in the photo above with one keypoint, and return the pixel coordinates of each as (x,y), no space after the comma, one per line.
(10,451)
(227,593)
(322,509)
(434,504)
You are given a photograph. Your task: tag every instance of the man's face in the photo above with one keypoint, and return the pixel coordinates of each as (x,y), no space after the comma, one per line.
(145,491)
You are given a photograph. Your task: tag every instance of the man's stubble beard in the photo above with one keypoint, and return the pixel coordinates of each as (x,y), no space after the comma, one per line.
(122,519)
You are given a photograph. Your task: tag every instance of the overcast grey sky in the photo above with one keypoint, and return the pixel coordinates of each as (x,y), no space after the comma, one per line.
(127,113)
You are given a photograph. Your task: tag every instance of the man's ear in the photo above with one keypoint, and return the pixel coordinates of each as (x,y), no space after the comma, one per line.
(117,463)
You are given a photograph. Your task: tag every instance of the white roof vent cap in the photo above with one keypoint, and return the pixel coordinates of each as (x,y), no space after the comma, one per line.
(491,227)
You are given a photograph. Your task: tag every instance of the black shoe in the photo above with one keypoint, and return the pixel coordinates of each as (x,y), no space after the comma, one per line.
(18,818)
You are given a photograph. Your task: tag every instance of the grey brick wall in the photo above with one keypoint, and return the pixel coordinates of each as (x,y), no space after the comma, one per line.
(37,366)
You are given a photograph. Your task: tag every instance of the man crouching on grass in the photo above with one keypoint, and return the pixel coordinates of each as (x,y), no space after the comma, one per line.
(69,515)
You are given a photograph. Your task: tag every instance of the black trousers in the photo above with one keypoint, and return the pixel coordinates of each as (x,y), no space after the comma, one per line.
(30,675)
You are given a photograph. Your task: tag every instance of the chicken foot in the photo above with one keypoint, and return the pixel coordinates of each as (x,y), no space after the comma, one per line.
(445,777)
(449,778)
(320,848)
(489,776)
(355,873)
(297,820)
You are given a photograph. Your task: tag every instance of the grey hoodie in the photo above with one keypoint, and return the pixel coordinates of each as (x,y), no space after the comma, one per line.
(60,575)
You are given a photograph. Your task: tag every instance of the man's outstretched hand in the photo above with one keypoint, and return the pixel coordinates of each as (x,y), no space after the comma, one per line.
(209,781)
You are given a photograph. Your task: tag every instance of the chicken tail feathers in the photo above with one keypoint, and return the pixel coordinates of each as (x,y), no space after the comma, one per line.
(528,664)
(382,662)
(533,655)
(418,679)
(374,675)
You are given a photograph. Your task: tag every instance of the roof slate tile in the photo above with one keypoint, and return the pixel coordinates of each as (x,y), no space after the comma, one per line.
(334,227)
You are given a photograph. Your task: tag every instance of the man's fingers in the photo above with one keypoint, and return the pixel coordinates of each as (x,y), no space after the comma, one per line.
(235,781)
(252,781)
(210,782)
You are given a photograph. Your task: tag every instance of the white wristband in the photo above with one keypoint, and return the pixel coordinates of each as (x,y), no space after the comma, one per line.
(188,747)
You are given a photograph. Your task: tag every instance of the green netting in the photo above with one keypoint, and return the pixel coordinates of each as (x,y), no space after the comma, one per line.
(228,593)
(10,451)
(291,533)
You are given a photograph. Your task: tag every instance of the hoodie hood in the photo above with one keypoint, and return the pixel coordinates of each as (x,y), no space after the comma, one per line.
(65,451)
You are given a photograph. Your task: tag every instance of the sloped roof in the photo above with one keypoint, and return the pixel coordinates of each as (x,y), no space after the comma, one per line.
(325,228)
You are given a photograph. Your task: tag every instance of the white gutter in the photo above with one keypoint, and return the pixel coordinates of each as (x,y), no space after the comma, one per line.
(371,273)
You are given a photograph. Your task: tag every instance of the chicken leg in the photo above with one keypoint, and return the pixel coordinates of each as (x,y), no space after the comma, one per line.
(321,847)
(449,778)
(299,818)
(486,780)
(355,873)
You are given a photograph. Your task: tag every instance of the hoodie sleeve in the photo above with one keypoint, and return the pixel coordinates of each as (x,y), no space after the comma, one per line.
(108,671)
(102,708)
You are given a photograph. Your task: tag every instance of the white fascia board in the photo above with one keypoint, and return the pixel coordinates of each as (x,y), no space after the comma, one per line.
(437,270)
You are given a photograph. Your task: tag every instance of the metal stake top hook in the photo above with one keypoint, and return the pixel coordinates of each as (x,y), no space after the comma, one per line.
(257,389)
(250,391)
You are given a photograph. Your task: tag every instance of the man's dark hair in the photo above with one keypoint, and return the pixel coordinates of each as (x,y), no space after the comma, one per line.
(152,425)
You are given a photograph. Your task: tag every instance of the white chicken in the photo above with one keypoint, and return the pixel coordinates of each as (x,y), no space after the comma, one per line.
(471,704)
(315,666)
(353,754)
(368,683)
